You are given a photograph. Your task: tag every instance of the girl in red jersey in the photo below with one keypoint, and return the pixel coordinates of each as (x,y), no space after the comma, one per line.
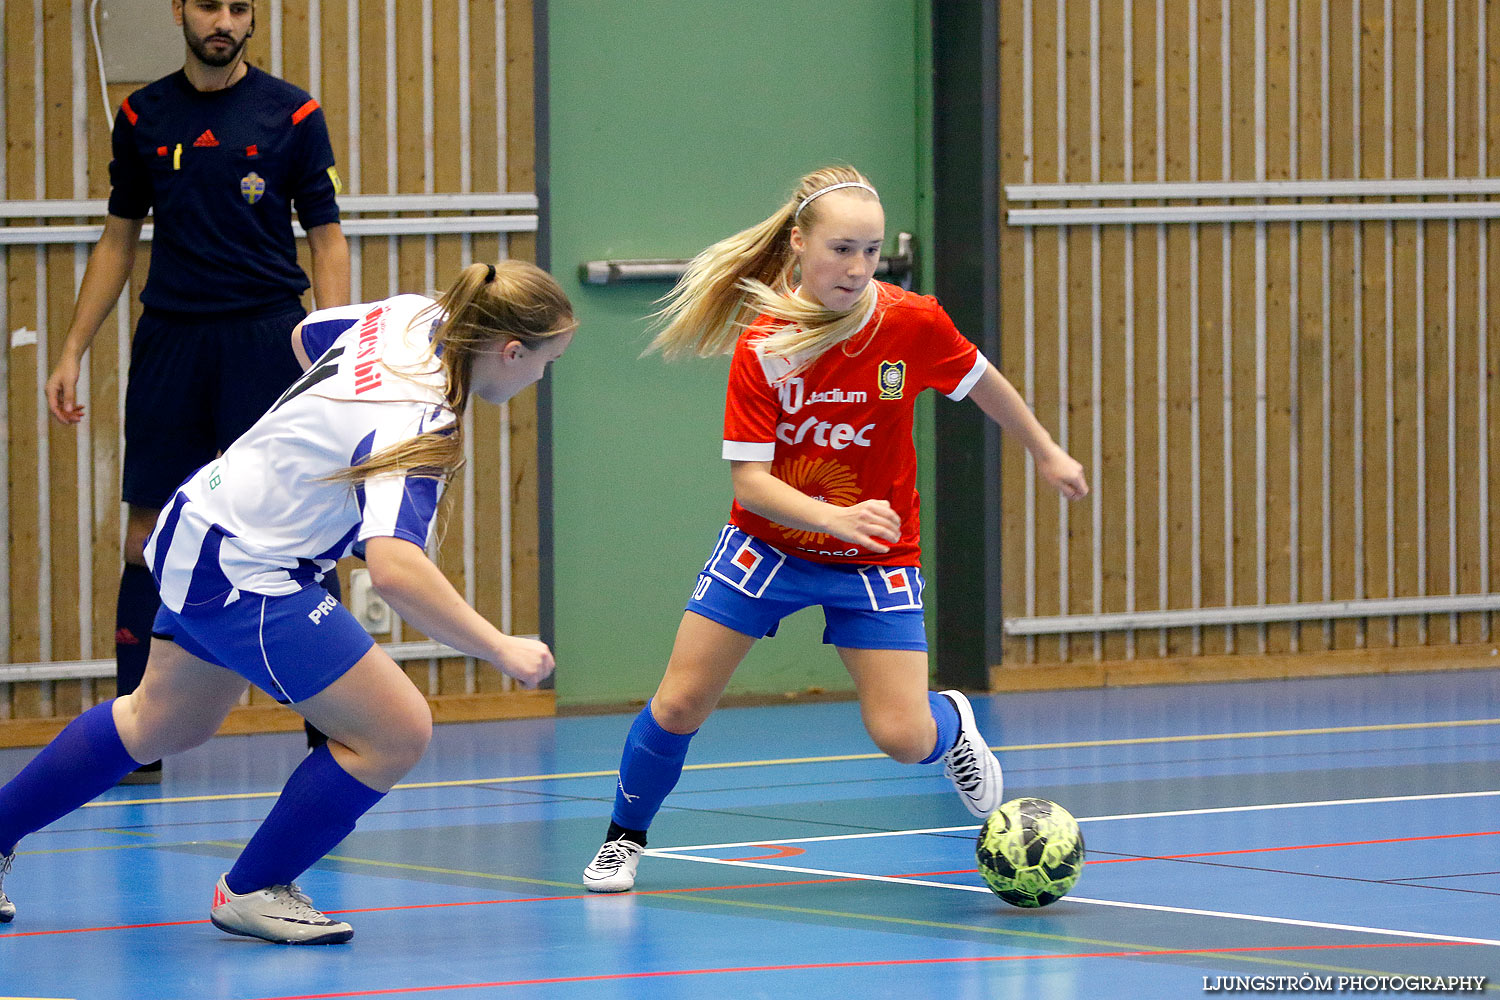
(818,433)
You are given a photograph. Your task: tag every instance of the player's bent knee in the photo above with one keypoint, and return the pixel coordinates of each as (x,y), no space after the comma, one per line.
(151,731)
(404,743)
(180,738)
(678,715)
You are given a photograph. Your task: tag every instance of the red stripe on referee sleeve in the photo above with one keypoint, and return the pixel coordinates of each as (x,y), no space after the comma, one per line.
(129,111)
(304,111)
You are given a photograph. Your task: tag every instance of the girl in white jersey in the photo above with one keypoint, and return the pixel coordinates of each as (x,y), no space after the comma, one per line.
(353,457)
(818,433)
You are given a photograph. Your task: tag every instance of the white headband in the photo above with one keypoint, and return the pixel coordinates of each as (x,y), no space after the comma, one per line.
(820,192)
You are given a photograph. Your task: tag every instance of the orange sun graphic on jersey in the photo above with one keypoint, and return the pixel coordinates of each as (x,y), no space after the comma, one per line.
(822,479)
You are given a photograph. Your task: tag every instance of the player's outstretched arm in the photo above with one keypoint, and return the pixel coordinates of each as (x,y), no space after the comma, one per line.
(994,394)
(869,524)
(419,592)
(103,280)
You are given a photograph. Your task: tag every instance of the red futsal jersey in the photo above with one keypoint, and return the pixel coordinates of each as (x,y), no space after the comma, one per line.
(841,430)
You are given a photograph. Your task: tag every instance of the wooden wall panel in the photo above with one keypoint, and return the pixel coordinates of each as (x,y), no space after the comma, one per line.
(21,293)
(1182,332)
(1293,412)
(1017,260)
(1311,113)
(337,49)
(1343,451)
(1110,329)
(1050,316)
(1076,529)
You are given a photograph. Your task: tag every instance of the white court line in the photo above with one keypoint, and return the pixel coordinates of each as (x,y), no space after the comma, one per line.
(1286,921)
(813,840)
(1291,805)
(1088,819)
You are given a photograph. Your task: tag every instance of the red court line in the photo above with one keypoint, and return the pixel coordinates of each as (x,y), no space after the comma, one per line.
(1298,847)
(1249,850)
(91,930)
(594,895)
(438,906)
(783,851)
(885,964)
(1216,854)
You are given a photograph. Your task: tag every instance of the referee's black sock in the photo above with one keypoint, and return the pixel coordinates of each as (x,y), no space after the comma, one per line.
(136,610)
(616,831)
(134,613)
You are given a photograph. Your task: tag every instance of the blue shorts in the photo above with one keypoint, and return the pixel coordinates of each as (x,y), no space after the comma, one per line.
(749,586)
(291,647)
(196,383)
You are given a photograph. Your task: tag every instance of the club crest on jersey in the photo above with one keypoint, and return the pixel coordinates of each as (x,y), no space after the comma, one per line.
(252,186)
(892,379)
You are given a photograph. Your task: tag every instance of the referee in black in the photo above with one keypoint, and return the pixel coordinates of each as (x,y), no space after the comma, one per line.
(218,152)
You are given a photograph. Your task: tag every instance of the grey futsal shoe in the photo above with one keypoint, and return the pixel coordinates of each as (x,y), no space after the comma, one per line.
(613,868)
(7,908)
(279,913)
(970,765)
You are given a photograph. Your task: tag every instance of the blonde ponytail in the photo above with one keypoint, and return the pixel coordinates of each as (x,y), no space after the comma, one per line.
(488,303)
(751,273)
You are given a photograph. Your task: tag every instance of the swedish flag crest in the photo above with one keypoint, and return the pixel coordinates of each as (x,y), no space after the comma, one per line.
(252,186)
(892,379)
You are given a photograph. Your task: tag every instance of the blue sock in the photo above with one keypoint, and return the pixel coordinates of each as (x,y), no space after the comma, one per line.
(85,759)
(318,808)
(650,765)
(945,714)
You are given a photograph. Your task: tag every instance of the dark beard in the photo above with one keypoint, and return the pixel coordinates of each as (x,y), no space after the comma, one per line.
(210,58)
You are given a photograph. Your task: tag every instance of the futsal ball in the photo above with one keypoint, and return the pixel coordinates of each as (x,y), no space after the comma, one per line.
(1030,852)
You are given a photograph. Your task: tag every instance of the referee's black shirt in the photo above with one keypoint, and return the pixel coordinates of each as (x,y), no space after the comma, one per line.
(220,170)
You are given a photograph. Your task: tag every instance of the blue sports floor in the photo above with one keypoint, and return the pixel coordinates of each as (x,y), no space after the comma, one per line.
(1339,828)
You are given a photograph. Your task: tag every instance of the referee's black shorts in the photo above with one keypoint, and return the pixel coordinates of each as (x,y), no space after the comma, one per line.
(197,383)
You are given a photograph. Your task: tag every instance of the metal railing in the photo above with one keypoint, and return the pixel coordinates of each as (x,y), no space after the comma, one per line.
(898,267)
(1319,211)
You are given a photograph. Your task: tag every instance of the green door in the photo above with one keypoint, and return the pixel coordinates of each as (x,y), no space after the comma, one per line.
(672,124)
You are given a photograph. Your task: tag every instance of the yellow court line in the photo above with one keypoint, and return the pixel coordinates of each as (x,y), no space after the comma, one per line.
(777,761)
(489,876)
(706,897)
(158,845)
(1144,949)
(1388,727)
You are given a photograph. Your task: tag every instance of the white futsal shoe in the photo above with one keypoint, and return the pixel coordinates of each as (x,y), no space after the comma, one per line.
(279,913)
(613,868)
(970,765)
(7,908)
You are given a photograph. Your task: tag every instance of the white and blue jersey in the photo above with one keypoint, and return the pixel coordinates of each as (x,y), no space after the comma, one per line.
(264,517)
